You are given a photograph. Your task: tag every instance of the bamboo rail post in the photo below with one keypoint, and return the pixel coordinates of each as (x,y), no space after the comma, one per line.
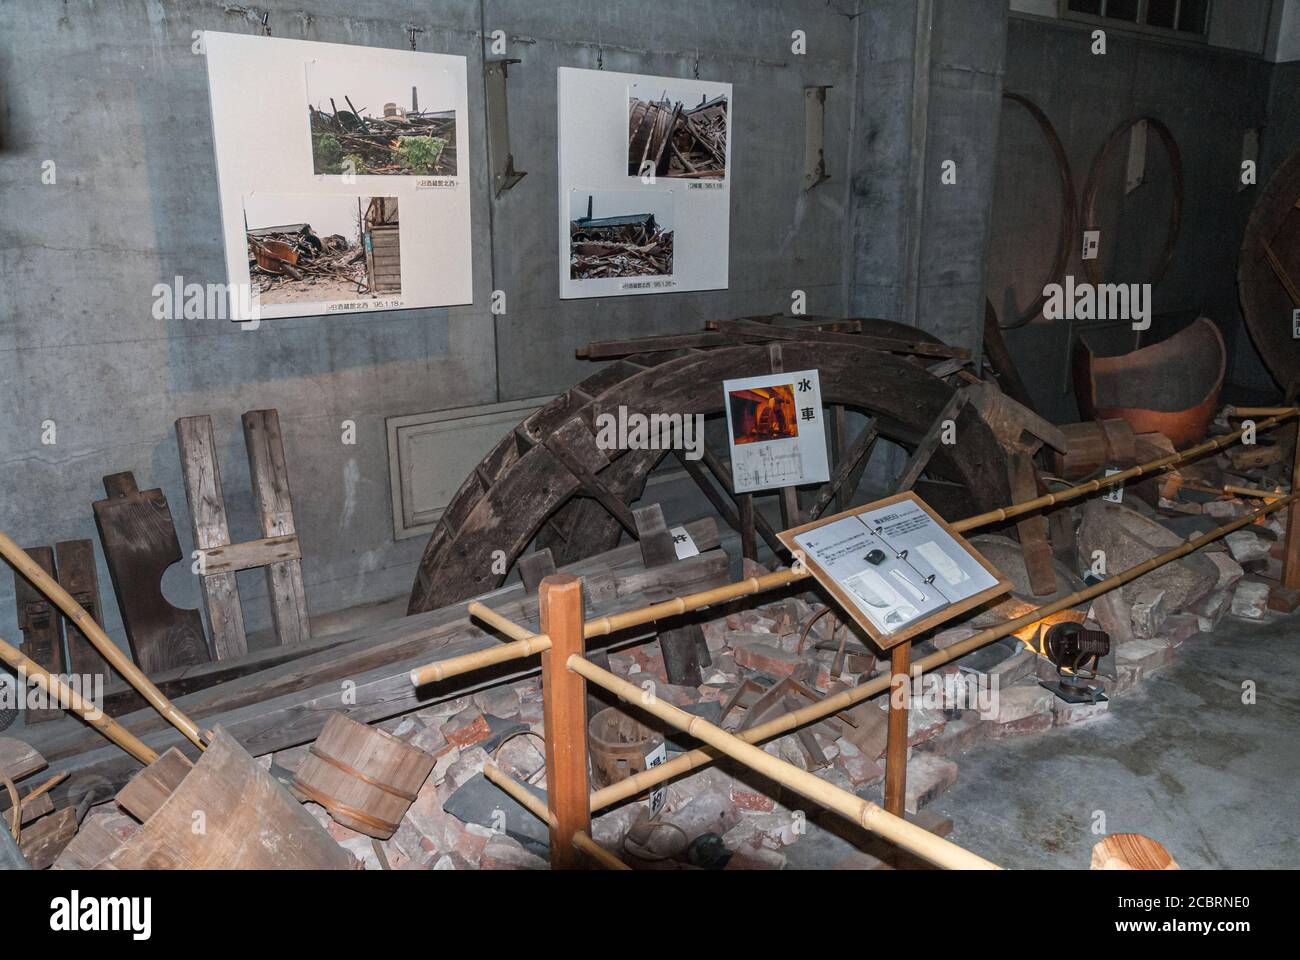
(900,694)
(29,568)
(86,710)
(564,714)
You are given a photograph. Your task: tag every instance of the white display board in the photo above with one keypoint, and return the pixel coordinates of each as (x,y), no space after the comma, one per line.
(595,133)
(895,566)
(397,231)
(776,430)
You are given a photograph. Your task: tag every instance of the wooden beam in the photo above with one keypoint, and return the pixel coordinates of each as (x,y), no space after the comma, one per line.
(251,554)
(900,667)
(920,348)
(273,503)
(202,476)
(930,442)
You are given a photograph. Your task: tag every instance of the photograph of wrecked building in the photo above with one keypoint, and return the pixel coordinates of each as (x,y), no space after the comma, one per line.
(383,131)
(676,135)
(338,248)
(629,241)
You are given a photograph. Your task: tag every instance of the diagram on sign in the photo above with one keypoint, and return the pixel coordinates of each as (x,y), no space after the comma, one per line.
(776,431)
(895,566)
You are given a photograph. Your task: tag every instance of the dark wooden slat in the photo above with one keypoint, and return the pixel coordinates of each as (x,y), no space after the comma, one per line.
(573,446)
(139,543)
(75,562)
(722,475)
(929,443)
(918,348)
(41,626)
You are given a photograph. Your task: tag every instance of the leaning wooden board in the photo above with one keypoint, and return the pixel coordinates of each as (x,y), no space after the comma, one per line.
(139,541)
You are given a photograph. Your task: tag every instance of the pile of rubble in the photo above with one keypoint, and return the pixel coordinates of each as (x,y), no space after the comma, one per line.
(277,258)
(632,251)
(396,143)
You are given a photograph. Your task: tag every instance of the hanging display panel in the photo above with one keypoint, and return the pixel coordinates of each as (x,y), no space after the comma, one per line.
(342,173)
(775,431)
(644,184)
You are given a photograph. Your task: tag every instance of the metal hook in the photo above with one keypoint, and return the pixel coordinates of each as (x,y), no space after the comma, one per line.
(411,31)
(600,58)
(266,23)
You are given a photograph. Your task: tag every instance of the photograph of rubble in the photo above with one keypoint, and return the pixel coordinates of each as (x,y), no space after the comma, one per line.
(620,233)
(389,122)
(308,249)
(675,133)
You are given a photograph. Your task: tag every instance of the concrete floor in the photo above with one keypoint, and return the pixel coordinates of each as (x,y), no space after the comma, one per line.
(1181,759)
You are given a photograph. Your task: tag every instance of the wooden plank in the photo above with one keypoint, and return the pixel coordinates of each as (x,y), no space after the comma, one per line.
(150,787)
(929,443)
(42,627)
(251,554)
(18,759)
(854,459)
(43,841)
(1291,548)
(1032,528)
(92,845)
(564,711)
(208,522)
(918,348)
(75,563)
(274,505)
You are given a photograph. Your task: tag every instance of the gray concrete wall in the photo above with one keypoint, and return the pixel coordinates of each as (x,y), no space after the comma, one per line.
(1207,97)
(111,92)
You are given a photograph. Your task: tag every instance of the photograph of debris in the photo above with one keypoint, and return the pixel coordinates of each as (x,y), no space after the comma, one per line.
(895,529)
(620,233)
(314,249)
(390,121)
(672,133)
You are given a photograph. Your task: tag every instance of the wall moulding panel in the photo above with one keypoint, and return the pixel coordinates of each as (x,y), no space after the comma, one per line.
(431,454)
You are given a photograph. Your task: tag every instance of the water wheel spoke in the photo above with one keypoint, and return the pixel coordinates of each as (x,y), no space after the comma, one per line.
(851,465)
(920,458)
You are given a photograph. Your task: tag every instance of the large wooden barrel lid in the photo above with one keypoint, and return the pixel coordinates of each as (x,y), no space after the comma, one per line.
(1268,273)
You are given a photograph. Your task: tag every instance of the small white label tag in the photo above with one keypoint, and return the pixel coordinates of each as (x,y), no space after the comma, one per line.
(1295,324)
(683,543)
(1113,494)
(1091,242)
(660,793)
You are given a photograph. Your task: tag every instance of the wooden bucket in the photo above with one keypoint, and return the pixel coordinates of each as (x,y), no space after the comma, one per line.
(367,779)
(619,746)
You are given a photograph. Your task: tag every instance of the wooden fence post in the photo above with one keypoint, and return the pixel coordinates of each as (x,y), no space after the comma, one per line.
(1287,598)
(900,666)
(564,706)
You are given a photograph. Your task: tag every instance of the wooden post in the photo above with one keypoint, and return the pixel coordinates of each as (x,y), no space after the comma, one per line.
(900,665)
(564,712)
(1287,598)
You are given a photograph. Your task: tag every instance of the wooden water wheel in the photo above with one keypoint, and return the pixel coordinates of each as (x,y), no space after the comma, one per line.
(548,480)
(1268,274)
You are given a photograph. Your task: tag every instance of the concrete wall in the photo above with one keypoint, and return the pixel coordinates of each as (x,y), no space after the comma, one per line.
(110,91)
(1207,97)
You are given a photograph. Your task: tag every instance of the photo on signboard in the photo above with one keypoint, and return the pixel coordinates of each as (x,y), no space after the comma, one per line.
(776,430)
(381,120)
(763,413)
(322,249)
(676,133)
(620,233)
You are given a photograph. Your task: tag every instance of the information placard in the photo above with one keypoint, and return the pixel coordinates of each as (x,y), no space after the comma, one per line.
(895,566)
